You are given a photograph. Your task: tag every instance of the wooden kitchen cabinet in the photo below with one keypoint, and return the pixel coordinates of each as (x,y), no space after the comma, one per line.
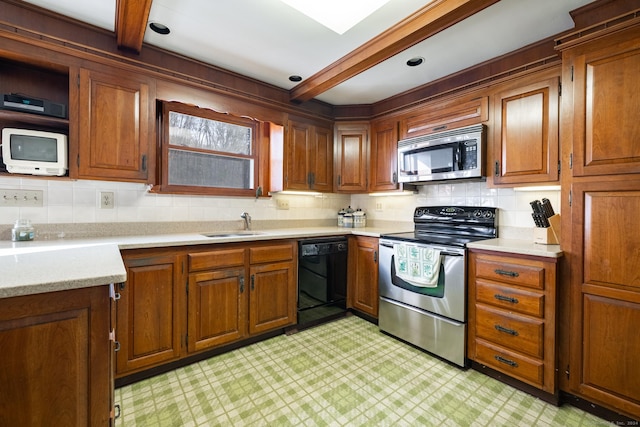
(383,156)
(445,115)
(273,286)
(239,291)
(362,279)
(351,154)
(216,298)
(309,157)
(178,302)
(56,359)
(601,200)
(115,126)
(605,294)
(602,78)
(149,313)
(512,316)
(524,142)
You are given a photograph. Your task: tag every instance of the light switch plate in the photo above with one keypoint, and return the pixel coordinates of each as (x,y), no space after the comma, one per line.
(21,198)
(282,204)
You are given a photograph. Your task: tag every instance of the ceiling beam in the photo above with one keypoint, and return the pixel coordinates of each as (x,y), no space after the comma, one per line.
(431,19)
(131,23)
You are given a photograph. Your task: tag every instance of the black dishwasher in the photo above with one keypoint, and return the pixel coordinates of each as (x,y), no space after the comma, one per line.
(322,279)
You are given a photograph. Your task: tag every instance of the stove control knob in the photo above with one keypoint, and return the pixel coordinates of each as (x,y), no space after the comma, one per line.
(477,213)
(488,214)
(419,213)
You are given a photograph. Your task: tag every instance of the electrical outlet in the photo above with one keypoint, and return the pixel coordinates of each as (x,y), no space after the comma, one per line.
(107,200)
(282,204)
(17,198)
(378,206)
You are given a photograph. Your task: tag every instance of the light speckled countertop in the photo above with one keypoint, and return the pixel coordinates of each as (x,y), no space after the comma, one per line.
(52,265)
(524,247)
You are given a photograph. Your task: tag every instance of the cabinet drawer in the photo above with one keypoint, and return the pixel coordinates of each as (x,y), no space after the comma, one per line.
(520,367)
(216,259)
(509,298)
(271,253)
(509,270)
(515,332)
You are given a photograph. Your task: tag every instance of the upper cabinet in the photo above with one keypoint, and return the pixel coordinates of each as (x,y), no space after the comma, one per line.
(383,156)
(308,157)
(115,126)
(524,141)
(350,154)
(604,78)
(445,115)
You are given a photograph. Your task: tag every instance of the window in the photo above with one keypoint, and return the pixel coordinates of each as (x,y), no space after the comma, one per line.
(205,152)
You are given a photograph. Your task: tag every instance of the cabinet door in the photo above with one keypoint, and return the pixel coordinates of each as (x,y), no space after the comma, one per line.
(351,158)
(321,159)
(115,126)
(148,312)
(56,356)
(445,115)
(363,275)
(525,138)
(605,292)
(383,156)
(606,81)
(309,151)
(272,296)
(216,311)
(297,174)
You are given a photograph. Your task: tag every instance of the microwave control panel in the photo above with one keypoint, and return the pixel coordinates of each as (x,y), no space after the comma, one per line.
(469,154)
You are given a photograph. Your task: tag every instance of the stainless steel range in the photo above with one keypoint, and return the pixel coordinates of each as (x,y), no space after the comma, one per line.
(422,278)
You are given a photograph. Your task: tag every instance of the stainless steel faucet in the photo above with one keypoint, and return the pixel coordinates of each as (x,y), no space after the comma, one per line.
(247,220)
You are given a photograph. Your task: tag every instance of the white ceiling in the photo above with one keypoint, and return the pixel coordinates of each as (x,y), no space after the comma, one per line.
(269,41)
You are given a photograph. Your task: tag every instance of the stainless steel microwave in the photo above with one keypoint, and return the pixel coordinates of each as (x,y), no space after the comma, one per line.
(449,155)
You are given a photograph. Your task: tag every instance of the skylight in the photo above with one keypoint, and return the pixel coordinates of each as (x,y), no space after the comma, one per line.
(337,15)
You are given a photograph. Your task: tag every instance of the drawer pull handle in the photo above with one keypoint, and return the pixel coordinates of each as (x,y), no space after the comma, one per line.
(506,298)
(506,361)
(506,331)
(506,273)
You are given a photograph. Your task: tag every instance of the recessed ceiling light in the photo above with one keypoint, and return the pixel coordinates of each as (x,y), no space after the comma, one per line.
(295,78)
(414,62)
(337,15)
(159,28)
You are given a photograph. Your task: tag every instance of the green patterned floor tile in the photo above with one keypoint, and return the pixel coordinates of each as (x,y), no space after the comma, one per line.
(344,373)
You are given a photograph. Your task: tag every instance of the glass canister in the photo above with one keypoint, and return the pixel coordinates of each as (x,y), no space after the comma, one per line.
(348,220)
(359,219)
(341,218)
(22,231)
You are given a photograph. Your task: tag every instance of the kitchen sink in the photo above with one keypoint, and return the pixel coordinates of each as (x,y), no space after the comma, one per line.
(232,234)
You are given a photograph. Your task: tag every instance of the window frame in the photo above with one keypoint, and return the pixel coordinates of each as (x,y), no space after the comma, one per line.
(164,144)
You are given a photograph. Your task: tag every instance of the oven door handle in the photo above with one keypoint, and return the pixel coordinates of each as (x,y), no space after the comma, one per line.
(450,254)
(445,253)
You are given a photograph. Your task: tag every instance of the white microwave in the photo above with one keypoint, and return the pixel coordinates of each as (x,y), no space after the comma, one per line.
(34,152)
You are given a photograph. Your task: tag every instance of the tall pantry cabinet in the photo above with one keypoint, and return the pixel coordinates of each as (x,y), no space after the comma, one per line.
(601,197)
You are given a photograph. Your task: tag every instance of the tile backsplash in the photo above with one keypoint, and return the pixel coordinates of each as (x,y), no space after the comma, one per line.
(78,202)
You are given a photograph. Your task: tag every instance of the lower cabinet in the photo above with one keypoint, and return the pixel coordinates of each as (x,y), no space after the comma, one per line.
(363,274)
(56,359)
(512,311)
(148,313)
(181,301)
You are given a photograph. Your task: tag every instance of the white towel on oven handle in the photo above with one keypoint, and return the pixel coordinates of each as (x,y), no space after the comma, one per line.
(418,265)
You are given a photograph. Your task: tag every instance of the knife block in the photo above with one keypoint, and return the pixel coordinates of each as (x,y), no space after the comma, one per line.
(549,235)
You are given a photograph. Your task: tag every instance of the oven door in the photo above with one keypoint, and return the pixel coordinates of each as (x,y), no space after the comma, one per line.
(447,298)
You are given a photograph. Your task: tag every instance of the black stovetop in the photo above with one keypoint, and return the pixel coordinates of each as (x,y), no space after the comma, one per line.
(451,225)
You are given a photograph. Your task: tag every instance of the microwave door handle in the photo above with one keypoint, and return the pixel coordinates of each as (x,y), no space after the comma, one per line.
(459,156)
